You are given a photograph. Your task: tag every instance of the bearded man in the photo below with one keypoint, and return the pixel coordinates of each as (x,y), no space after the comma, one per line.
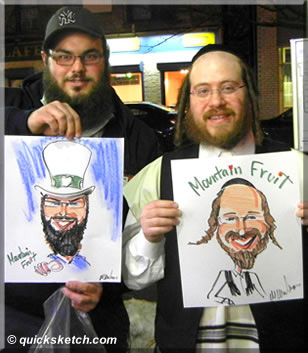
(217,115)
(73,98)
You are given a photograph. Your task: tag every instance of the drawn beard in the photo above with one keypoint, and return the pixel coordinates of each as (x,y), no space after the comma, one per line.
(244,259)
(199,133)
(93,107)
(64,242)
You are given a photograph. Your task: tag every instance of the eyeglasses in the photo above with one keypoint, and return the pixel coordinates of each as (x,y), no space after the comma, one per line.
(205,93)
(236,219)
(65,59)
(72,204)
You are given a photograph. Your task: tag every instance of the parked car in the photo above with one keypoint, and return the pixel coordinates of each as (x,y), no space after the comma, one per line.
(280,128)
(159,117)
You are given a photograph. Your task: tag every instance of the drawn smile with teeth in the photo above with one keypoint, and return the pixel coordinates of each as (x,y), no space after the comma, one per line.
(244,243)
(64,223)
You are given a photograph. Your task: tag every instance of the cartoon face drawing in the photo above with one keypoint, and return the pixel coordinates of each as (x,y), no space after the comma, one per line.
(243,225)
(64,222)
(242,222)
(242,230)
(64,213)
(65,201)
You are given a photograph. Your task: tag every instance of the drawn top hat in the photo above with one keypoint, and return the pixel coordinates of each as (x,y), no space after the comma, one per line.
(66,162)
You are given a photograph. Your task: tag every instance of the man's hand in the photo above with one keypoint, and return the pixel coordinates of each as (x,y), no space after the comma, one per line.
(159,217)
(84,296)
(302,212)
(54,119)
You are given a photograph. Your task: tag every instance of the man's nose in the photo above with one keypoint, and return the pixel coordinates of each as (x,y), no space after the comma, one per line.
(78,65)
(216,99)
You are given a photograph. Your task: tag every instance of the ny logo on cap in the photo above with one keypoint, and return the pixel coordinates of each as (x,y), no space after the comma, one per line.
(66,17)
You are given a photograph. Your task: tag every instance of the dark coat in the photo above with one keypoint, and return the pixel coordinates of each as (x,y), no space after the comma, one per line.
(24,302)
(280,324)
(140,146)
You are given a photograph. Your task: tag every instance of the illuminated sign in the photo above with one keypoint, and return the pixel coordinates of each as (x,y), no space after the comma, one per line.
(30,51)
(161,43)
(123,44)
(198,39)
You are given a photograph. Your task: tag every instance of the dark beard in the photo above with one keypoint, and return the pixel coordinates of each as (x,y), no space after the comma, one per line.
(64,242)
(245,259)
(92,108)
(199,134)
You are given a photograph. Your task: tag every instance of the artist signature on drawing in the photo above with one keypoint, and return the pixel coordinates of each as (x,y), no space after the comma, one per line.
(105,276)
(279,293)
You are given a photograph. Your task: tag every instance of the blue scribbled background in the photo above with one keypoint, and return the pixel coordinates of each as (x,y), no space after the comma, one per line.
(106,168)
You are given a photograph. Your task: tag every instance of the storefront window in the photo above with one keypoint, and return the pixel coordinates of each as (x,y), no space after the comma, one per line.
(172,76)
(286,93)
(172,84)
(128,86)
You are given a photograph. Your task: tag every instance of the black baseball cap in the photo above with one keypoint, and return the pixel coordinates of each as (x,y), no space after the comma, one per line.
(72,18)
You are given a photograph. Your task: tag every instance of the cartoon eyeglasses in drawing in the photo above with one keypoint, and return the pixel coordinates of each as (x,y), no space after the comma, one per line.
(233,219)
(54,203)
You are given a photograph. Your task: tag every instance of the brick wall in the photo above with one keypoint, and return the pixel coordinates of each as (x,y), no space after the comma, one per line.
(268,68)
(152,92)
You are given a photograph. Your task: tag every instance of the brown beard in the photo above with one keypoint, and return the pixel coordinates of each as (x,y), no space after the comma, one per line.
(226,140)
(244,259)
(91,107)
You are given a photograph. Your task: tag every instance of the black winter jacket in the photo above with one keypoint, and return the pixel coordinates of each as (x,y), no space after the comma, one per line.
(141,145)
(140,148)
(280,325)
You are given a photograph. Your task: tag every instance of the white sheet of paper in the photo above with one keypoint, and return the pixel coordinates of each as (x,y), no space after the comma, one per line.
(299,66)
(278,271)
(28,256)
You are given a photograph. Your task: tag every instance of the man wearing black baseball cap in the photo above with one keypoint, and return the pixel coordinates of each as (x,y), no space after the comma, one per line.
(73,98)
(71,18)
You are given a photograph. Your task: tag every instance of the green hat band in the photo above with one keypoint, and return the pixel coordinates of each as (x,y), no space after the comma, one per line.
(67,181)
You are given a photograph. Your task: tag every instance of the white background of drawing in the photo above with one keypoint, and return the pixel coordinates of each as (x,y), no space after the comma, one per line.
(200,264)
(102,253)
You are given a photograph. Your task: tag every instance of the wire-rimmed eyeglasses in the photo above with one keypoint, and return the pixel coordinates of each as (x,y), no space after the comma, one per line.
(67,59)
(205,92)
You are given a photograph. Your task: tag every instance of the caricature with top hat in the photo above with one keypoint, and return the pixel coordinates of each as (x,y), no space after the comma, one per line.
(64,201)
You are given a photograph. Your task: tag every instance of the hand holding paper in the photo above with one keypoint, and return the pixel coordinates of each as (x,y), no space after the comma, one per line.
(55,118)
(158,217)
(302,212)
(84,296)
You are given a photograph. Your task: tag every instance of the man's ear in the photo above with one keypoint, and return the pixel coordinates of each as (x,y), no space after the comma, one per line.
(44,58)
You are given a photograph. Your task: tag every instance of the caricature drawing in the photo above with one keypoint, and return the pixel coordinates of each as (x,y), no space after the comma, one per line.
(64,204)
(68,220)
(243,224)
